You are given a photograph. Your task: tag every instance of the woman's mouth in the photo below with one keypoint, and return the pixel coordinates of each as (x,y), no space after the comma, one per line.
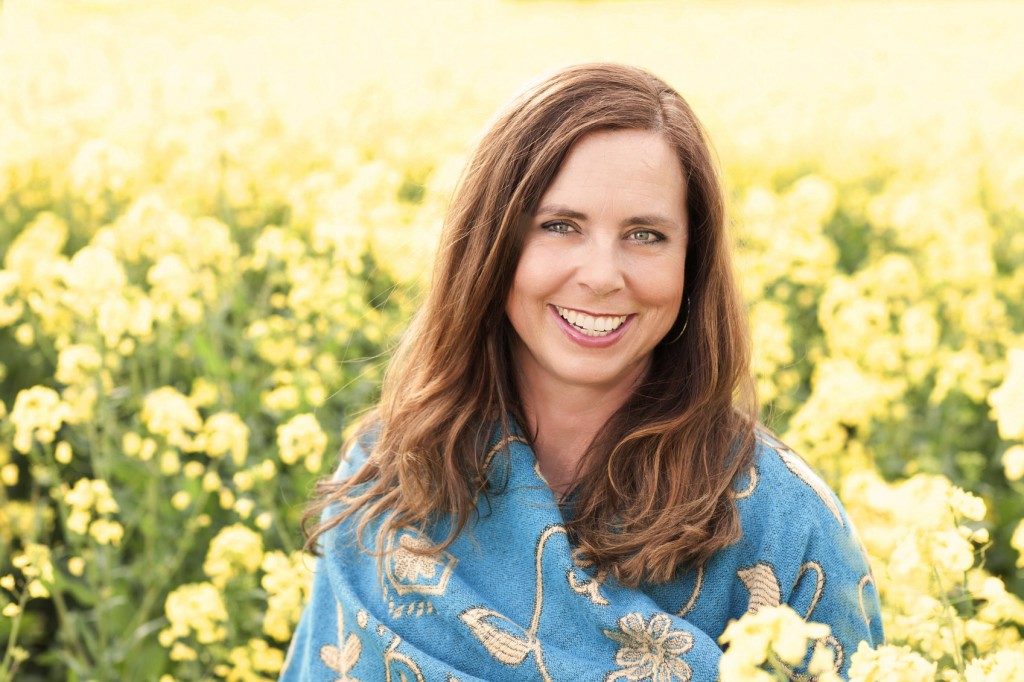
(591,331)
(589,324)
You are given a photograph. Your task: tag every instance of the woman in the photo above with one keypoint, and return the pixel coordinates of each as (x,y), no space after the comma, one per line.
(565,478)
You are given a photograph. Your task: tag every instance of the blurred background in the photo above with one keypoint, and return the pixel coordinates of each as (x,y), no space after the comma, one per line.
(216,219)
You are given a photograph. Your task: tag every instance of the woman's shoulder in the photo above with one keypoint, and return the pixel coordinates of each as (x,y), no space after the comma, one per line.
(355,455)
(780,480)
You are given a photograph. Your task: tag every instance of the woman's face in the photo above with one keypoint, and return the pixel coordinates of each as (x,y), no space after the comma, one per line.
(600,279)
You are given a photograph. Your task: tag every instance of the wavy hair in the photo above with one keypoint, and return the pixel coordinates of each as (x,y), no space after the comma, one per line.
(653,493)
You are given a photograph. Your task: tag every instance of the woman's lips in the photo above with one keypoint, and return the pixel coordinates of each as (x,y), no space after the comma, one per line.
(582,339)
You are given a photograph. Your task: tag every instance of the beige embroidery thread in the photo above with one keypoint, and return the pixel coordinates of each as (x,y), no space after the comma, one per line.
(650,650)
(508,647)
(819,586)
(697,585)
(590,587)
(763,586)
(752,479)
(342,658)
(391,656)
(864,582)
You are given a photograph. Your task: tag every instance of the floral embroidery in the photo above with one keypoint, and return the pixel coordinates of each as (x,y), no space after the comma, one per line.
(409,572)
(412,567)
(650,650)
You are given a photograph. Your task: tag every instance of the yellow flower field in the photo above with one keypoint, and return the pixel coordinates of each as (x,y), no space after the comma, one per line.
(217,218)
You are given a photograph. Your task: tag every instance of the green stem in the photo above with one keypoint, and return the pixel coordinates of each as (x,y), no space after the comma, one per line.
(948,618)
(156,586)
(12,638)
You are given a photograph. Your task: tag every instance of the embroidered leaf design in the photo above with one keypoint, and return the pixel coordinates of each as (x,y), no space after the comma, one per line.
(764,587)
(507,647)
(342,660)
(800,469)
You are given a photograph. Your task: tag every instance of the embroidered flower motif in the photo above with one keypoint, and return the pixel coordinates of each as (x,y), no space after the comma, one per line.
(650,650)
(410,566)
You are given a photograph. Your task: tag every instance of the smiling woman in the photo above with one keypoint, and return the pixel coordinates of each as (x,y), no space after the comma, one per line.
(565,477)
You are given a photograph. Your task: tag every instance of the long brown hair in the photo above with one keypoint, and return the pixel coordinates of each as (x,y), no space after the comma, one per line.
(653,493)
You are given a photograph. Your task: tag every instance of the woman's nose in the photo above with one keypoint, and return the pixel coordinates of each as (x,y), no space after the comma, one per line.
(600,268)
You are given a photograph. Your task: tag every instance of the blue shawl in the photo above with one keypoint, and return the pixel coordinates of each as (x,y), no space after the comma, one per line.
(511,600)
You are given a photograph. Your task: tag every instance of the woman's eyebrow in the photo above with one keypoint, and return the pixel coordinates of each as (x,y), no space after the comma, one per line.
(646,219)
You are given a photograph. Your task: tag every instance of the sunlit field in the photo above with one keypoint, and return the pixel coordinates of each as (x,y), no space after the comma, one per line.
(217,218)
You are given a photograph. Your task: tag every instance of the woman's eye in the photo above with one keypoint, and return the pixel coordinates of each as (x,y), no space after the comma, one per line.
(646,236)
(558,227)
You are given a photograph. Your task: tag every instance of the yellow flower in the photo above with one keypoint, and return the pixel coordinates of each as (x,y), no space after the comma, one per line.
(131,443)
(76,566)
(1013,463)
(195,608)
(777,629)
(170,463)
(211,481)
(1008,399)
(889,663)
(234,549)
(62,453)
(244,507)
(168,413)
(204,392)
(9,474)
(651,649)
(25,334)
(11,306)
(1017,542)
(181,652)
(1001,666)
(254,658)
(193,469)
(106,532)
(78,521)
(37,414)
(180,500)
(301,437)
(287,581)
(223,433)
(77,364)
(93,273)
(11,610)
(35,564)
(966,504)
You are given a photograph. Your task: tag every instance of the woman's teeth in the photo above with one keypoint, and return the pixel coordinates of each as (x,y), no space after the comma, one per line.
(590,325)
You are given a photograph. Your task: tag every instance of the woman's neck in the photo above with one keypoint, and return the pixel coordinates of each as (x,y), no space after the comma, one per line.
(565,418)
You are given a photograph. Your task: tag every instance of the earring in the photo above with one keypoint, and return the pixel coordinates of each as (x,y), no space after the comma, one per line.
(686,321)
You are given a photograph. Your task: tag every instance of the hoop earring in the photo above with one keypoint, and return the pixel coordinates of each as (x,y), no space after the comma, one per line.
(686,321)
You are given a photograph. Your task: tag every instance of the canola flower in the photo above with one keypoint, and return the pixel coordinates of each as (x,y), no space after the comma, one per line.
(774,637)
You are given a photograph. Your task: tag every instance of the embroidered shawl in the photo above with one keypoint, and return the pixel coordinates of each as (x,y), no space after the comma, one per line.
(511,600)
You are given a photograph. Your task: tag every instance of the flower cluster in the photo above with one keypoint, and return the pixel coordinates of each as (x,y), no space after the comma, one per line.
(92,503)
